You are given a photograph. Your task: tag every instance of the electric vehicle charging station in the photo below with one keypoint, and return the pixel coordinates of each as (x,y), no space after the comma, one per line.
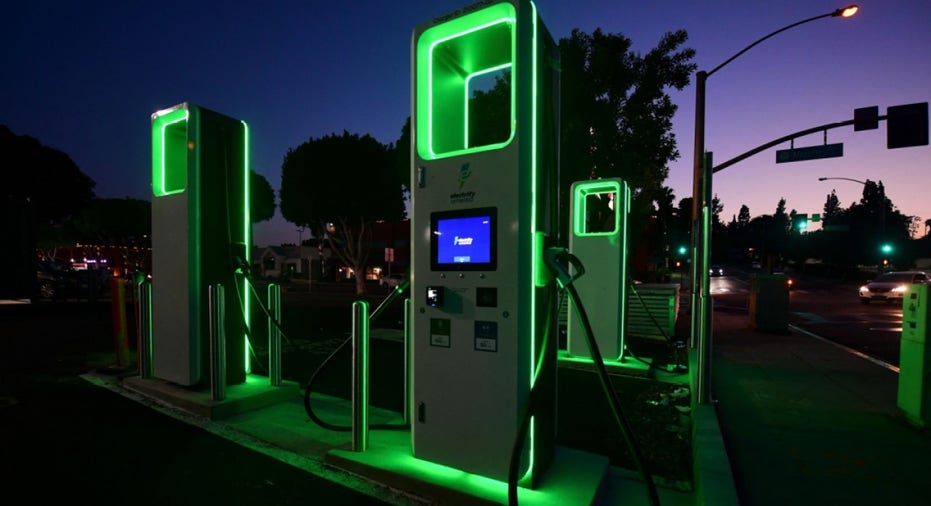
(201,235)
(914,389)
(598,221)
(483,209)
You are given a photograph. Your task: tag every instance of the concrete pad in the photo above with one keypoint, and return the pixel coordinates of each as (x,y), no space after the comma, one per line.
(254,393)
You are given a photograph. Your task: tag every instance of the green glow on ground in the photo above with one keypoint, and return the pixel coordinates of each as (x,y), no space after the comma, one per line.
(631,365)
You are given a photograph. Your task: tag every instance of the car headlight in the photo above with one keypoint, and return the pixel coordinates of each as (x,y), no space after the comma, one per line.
(899,289)
(864,289)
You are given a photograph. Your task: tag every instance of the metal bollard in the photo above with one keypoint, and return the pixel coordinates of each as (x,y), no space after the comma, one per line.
(360,376)
(217,342)
(144,328)
(274,335)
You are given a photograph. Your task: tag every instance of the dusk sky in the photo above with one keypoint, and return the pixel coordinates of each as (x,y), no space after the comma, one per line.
(86,77)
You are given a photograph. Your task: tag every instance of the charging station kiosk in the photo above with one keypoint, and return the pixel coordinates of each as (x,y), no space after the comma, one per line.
(598,218)
(483,204)
(201,234)
(914,388)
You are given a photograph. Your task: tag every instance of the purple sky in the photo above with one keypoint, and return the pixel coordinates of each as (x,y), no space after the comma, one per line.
(85,78)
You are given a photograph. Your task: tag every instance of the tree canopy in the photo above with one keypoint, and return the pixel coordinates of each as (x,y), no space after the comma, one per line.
(848,237)
(616,118)
(262,202)
(338,185)
(47,177)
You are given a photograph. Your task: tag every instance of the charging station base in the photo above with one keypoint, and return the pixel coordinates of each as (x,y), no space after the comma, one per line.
(254,393)
(574,477)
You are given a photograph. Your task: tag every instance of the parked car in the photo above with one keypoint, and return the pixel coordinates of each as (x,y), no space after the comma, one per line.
(391,281)
(890,286)
(717,270)
(54,279)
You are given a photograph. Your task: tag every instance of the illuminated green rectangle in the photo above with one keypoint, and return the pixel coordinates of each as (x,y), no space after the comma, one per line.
(169,152)
(585,204)
(450,57)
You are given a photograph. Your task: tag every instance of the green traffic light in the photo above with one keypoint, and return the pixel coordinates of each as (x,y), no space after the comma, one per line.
(682,250)
(886,248)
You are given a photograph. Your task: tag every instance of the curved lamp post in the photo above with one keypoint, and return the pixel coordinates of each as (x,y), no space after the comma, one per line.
(701,214)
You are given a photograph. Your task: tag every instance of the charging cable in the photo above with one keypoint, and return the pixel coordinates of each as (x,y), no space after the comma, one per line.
(558,261)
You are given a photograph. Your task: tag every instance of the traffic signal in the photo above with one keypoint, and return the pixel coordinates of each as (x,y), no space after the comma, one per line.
(866,118)
(801,222)
(886,248)
(907,125)
(683,250)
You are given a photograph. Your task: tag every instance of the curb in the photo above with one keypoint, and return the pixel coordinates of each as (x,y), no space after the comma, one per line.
(713,476)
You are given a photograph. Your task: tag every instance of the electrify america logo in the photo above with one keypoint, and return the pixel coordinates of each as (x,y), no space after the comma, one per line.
(465,172)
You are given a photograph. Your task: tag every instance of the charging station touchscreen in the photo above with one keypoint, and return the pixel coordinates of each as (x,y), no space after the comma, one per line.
(464,240)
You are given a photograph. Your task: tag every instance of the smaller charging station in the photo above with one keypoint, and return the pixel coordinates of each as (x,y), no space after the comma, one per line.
(598,217)
(914,394)
(201,235)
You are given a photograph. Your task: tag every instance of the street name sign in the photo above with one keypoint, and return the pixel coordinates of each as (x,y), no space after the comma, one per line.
(810,153)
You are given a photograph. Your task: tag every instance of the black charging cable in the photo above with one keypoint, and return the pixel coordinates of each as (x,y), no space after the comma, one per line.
(530,407)
(558,261)
(401,288)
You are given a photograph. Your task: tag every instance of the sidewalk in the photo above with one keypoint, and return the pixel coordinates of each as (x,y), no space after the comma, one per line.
(805,422)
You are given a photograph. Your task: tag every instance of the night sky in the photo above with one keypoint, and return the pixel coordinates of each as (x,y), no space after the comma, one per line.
(86,77)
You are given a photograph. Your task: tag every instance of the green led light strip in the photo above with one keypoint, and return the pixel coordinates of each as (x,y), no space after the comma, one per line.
(533,226)
(246,239)
(163,120)
(468,79)
(431,48)
(595,187)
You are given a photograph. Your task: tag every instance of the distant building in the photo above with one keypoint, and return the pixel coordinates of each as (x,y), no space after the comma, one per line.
(288,261)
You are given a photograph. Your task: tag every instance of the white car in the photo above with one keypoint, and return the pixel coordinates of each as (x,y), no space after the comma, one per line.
(890,286)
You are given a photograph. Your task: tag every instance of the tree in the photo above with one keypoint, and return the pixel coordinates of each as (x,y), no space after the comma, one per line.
(401,154)
(717,226)
(338,186)
(48,179)
(262,201)
(832,208)
(620,120)
(743,217)
(115,221)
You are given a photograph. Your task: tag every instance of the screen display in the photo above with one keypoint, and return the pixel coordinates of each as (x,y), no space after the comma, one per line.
(464,240)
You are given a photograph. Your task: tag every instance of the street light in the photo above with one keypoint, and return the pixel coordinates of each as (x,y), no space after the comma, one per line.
(701,213)
(882,205)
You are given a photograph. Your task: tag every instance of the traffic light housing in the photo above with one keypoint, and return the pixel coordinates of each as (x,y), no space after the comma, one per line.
(907,125)
(801,222)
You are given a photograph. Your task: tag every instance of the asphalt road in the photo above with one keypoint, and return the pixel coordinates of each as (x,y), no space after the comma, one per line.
(828,309)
